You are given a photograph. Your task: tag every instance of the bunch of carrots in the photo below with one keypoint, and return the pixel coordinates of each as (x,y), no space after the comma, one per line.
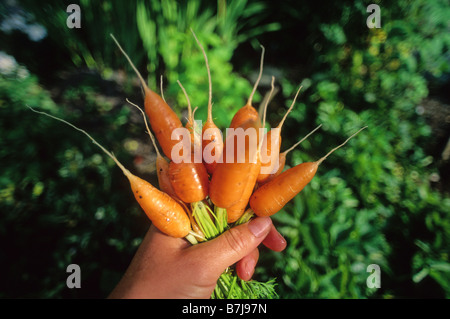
(199,199)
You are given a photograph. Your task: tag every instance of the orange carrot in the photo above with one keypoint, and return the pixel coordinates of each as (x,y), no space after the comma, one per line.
(271,146)
(282,159)
(232,182)
(247,116)
(162,165)
(164,212)
(212,145)
(274,195)
(163,119)
(189,180)
(212,139)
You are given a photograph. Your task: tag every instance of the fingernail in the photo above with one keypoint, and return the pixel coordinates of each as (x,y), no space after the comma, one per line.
(259,226)
(281,238)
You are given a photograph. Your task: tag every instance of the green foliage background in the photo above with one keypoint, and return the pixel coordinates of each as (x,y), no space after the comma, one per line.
(372,202)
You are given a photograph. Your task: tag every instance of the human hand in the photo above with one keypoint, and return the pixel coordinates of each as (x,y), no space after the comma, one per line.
(168,268)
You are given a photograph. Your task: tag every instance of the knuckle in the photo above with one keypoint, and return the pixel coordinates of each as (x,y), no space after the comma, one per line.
(236,240)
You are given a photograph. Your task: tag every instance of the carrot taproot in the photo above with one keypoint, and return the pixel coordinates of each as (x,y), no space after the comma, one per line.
(191,125)
(246,119)
(189,180)
(233,183)
(247,116)
(212,146)
(164,212)
(212,140)
(162,165)
(274,195)
(271,146)
(277,170)
(161,87)
(235,211)
(163,120)
(165,185)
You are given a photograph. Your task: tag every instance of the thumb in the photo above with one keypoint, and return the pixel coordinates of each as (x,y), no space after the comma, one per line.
(234,244)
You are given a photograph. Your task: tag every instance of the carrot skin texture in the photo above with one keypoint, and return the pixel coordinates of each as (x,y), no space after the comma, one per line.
(227,183)
(281,164)
(274,195)
(189,180)
(271,197)
(162,172)
(272,156)
(252,163)
(164,212)
(216,141)
(247,116)
(231,179)
(282,160)
(232,183)
(163,120)
(215,138)
(235,211)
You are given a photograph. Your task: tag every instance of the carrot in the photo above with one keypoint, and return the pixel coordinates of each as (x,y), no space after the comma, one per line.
(163,120)
(233,183)
(271,145)
(274,195)
(247,116)
(164,212)
(162,165)
(212,140)
(165,185)
(189,180)
(282,159)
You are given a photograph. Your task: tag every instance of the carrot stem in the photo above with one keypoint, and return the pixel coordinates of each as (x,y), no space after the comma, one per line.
(220,219)
(201,214)
(232,287)
(191,238)
(245,217)
(197,235)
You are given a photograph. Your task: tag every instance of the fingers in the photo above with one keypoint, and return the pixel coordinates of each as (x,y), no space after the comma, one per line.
(233,245)
(246,266)
(274,240)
